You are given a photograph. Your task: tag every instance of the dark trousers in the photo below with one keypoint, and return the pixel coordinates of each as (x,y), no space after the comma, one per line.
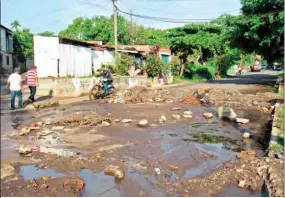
(13,97)
(33,90)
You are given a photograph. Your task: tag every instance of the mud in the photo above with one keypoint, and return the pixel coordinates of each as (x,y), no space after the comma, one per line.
(182,150)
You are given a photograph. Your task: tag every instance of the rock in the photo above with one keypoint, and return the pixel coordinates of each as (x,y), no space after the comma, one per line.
(176,108)
(187,112)
(7,170)
(246,135)
(241,183)
(24,149)
(169,101)
(176,117)
(124,121)
(246,155)
(44,186)
(105,124)
(57,128)
(45,178)
(239,170)
(25,131)
(226,112)
(208,115)
(74,185)
(163,118)
(119,174)
(176,185)
(39,124)
(41,166)
(142,194)
(242,120)
(267,160)
(153,125)
(47,122)
(187,116)
(143,123)
(110,170)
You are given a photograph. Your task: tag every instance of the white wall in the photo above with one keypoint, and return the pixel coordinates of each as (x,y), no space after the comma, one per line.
(74,60)
(102,57)
(46,54)
(3,40)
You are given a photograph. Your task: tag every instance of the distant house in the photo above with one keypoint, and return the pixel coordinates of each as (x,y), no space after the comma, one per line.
(6,60)
(61,57)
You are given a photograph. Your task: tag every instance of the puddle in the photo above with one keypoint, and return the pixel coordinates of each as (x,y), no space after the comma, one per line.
(220,141)
(99,184)
(32,172)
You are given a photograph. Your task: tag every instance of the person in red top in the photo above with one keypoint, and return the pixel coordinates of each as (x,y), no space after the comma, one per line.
(32,82)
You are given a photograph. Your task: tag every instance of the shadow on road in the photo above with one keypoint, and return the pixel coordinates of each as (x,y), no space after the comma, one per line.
(252,78)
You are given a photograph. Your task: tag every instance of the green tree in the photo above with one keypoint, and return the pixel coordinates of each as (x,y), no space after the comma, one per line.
(15,24)
(196,42)
(47,33)
(74,30)
(260,29)
(23,44)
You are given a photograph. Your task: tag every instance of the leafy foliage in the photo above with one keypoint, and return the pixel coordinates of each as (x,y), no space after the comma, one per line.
(101,28)
(260,29)
(23,44)
(15,24)
(196,40)
(153,65)
(47,33)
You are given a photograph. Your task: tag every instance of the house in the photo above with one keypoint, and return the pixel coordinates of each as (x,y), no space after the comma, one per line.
(61,57)
(6,60)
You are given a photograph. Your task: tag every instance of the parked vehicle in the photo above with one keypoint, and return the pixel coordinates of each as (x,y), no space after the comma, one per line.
(255,68)
(277,67)
(97,90)
(264,66)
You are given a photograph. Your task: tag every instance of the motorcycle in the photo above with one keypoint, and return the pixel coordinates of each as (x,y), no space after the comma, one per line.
(97,90)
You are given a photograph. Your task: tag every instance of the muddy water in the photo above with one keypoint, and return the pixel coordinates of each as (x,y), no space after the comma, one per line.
(197,146)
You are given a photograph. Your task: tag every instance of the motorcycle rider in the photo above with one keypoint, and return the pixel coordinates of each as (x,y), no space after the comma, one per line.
(106,80)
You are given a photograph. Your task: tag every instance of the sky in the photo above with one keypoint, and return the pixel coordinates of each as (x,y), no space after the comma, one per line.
(55,15)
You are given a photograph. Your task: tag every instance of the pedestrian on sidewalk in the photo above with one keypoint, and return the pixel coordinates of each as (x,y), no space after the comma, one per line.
(32,82)
(16,87)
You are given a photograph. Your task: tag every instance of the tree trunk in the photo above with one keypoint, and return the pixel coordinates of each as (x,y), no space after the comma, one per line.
(182,67)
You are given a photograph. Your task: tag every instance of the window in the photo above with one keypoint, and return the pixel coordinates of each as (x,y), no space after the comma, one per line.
(8,60)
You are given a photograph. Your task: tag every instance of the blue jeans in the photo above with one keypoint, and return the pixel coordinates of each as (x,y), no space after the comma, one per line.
(106,89)
(13,97)
(33,90)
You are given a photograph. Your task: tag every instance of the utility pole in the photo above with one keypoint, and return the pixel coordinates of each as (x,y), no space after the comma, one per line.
(115,29)
(132,34)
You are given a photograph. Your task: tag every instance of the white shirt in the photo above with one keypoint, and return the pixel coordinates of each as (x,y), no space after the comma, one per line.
(14,80)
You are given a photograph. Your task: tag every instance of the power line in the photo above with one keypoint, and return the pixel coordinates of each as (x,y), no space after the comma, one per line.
(171,20)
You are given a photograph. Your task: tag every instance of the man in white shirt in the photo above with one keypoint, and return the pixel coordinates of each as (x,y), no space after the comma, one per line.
(16,86)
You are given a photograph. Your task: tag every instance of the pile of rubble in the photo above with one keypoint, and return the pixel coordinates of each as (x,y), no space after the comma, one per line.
(83,119)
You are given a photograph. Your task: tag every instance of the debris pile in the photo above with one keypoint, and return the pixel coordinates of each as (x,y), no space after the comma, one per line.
(86,119)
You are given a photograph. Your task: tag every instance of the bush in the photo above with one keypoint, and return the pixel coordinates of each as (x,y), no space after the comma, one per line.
(122,65)
(153,65)
(175,67)
(199,72)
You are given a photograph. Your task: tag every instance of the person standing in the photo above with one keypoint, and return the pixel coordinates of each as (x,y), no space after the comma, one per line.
(32,82)
(16,87)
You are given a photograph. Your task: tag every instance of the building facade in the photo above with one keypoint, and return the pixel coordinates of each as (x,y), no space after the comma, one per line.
(6,60)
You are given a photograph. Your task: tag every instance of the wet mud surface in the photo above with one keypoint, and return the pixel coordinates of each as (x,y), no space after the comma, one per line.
(182,150)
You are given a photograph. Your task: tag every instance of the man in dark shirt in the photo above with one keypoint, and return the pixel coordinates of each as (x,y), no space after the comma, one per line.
(106,78)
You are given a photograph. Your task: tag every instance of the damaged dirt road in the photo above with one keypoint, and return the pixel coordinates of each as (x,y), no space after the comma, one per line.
(160,145)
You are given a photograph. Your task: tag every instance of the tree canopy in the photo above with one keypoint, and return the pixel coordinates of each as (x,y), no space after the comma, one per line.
(259,29)
(23,44)
(47,33)
(102,28)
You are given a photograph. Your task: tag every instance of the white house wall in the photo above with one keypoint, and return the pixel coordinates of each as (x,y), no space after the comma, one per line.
(46,55)
(74,61)
(102,57)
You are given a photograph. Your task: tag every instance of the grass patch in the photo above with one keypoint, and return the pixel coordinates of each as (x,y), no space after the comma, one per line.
(281,111)
(277,148)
